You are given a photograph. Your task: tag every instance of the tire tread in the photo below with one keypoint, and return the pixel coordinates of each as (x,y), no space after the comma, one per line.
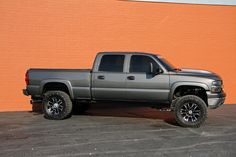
(68,105)
(199,101)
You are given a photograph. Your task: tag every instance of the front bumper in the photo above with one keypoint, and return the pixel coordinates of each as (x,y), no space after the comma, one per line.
(215,100)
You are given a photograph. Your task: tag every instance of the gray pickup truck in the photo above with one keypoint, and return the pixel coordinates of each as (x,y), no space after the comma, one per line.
(127,76)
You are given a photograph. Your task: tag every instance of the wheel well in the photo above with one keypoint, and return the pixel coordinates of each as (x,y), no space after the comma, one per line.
(190,90)
(56,86)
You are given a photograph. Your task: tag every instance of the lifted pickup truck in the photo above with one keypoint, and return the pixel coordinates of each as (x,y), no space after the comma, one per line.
(127,76)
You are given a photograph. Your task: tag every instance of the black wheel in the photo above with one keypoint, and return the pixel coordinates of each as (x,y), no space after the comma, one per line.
(190,111)
(57,105)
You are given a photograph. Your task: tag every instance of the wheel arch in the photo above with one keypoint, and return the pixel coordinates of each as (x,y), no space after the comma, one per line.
(57,84)
(177,85)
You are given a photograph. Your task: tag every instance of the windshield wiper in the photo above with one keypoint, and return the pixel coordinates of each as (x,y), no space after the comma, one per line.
(177,69)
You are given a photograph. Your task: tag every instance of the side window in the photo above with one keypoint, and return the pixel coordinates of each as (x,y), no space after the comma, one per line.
(112,63)
(141,64)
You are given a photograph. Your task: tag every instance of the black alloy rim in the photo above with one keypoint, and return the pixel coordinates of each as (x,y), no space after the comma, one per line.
(55,105)
(190,112)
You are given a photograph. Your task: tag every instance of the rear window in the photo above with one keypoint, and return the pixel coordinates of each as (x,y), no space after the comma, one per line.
(112,63)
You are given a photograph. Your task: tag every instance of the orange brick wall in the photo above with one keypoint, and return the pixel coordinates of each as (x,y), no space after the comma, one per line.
(68,33)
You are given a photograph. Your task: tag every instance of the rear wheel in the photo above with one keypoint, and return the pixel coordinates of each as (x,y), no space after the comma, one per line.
(190,111)
(57,105)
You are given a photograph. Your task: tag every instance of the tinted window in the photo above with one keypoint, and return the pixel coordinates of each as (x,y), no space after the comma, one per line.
(139,63)
(112,63)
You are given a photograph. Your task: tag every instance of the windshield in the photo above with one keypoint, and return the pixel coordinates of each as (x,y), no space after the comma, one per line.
(166,64)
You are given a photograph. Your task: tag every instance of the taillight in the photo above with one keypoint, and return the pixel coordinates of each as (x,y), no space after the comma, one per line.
(27,77)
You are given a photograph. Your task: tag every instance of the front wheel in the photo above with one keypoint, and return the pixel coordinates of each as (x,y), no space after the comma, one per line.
(57,105)
(190,111)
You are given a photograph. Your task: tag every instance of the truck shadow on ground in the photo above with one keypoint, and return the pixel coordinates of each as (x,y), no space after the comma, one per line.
(128,110)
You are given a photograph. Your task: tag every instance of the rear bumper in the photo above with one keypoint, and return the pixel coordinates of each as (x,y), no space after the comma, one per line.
(215,100)
(33,98)
(25,92)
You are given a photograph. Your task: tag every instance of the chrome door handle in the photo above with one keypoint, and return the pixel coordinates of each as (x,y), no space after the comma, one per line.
(131,78)
(101,77)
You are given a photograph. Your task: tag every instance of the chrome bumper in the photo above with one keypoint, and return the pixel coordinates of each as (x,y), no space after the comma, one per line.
(215,100)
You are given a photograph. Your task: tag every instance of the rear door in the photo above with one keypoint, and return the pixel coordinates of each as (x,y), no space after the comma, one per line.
(108,78)
(141,84)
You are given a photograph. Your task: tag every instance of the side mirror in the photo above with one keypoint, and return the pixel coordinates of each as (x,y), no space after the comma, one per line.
(159,70)
(155,70)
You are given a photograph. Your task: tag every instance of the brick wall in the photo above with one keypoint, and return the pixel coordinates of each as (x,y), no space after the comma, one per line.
(67,34)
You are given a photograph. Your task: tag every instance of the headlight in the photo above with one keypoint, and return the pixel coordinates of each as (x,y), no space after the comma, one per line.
(217,83)
(216,89)
(216,86)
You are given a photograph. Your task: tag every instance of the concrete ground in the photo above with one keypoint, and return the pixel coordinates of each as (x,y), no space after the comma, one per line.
(117,130)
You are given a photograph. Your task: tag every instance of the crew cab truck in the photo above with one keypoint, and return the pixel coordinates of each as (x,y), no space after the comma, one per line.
(127,76)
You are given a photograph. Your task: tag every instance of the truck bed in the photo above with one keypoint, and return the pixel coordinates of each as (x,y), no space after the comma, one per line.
(79,80)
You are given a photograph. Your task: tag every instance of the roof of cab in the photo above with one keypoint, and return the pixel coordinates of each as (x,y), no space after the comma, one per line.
(125,52)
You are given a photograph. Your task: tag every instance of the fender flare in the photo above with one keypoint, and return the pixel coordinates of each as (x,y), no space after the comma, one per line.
(178,84)
(65,82)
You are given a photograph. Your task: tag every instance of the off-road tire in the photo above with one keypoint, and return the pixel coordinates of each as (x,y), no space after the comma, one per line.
(59,98)
(192,116)
(172,106)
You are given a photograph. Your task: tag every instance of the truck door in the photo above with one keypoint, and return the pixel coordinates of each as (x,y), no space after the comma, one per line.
(108,78)
(141,84)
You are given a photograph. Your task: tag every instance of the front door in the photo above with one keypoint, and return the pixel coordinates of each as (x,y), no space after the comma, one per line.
(143,85)
(109,78)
